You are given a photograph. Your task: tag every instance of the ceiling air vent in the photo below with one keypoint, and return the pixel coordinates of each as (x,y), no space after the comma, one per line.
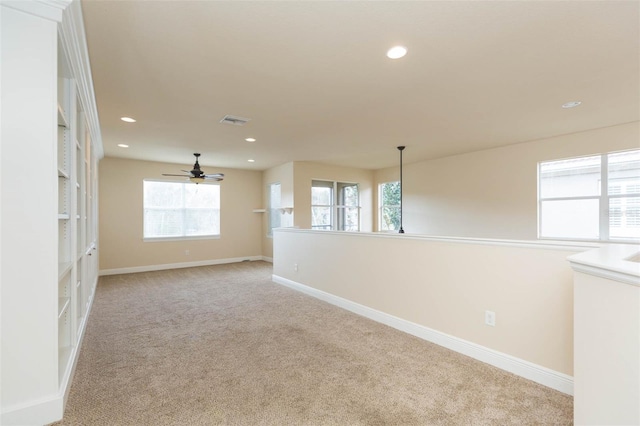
(236,121)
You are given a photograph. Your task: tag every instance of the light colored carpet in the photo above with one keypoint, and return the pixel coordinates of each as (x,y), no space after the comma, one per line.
(223,345)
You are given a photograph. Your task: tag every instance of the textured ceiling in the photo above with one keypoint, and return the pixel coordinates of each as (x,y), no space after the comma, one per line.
(313,77)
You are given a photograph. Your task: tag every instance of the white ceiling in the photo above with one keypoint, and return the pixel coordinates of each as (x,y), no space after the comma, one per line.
(313,77)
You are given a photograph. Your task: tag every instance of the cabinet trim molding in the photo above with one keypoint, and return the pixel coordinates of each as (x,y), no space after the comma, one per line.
(47,9)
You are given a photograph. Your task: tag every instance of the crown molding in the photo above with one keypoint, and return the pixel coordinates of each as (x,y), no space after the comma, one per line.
(73,41)
(46,9)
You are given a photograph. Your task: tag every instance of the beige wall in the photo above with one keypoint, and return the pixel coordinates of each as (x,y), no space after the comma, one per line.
(491,193)
(484,194)
(296,178)
(446,286)
(283,175)
(242,191)
(121,217)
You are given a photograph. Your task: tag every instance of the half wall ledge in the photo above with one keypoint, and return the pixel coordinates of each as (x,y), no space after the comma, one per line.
(607,336)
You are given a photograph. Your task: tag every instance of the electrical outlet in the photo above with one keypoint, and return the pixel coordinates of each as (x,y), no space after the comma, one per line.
(490,318)
(295,267)
(186,252)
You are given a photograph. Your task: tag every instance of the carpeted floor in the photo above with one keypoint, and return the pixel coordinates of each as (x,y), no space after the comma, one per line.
(223,345)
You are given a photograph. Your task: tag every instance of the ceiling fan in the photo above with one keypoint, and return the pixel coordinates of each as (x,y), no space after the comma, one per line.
(196,175)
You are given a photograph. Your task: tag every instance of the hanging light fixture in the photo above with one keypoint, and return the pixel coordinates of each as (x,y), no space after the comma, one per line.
(401,148)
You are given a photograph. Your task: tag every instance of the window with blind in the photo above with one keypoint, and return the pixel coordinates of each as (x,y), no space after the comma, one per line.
(590,198)
(176,210)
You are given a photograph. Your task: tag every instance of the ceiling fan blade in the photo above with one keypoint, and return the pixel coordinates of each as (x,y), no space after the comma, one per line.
(197,175)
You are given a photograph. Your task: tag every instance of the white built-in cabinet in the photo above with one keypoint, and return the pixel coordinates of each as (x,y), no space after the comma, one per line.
(77,266)
(49,153)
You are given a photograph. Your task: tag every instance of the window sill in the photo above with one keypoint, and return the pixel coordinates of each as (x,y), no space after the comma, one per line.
(198,237)
(591,240)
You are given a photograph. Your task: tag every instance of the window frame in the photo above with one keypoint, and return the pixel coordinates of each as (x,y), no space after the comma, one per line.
(337,209)
(603,198)
(182,237)
(382,206)
(273,210)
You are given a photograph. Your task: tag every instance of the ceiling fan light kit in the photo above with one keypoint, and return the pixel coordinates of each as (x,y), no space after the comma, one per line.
(196,175)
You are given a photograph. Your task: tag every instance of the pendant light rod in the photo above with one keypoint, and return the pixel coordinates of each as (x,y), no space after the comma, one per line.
(401,148)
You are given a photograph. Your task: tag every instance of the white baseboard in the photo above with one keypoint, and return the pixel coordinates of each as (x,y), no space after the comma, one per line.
(267,259)
(537,373)
(149,268)
(34,412)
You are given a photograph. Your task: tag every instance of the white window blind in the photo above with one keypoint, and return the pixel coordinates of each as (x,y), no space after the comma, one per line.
(181,210)
(590,198)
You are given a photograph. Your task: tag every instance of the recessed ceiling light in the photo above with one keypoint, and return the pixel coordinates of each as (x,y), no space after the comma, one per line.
(128,119)
(250,139)
(123,145)
(571,104)
(251,160)
(396,52)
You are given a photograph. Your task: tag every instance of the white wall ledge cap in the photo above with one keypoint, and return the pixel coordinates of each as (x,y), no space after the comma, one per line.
(545,244)
(610,261)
